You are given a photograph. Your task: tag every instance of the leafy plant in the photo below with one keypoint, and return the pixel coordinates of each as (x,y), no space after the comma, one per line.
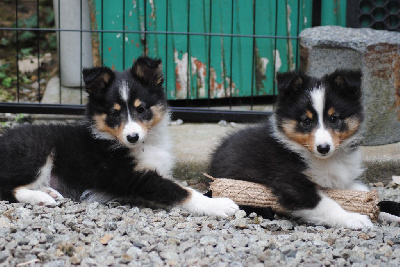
(19,118)
(7,81)
(26,51)
(4,41)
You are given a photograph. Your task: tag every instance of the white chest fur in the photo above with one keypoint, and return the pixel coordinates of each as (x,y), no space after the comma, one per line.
(338,171)
(155,152)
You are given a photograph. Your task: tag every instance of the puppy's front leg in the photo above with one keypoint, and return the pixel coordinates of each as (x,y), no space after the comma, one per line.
(328,212)
(153,187)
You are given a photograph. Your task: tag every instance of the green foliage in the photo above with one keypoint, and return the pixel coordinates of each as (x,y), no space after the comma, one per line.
(19,118)
(26,51)
(4,41)
(7,81)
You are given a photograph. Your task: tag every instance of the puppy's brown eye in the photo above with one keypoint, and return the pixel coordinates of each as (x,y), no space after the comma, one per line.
(334,119)
(115,113)
(306,121)
(140,109)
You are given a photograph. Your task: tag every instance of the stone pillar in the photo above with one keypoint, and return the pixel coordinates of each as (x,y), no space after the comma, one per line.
(377,55)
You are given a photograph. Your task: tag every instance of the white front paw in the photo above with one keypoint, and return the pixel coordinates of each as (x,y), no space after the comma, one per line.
(197,203)
(34,197)
(355,221)
(223,207)
(53,193)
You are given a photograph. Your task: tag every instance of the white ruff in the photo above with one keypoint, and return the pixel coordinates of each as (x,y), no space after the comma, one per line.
(154,152)
(340,170)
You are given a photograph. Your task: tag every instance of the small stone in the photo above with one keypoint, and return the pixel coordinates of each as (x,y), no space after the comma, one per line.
(23,242)
(5,222)
(4,255)
(240,214)
(253,215)
(270,225)
(364,236)
(106,238)
(43,256)
(87,231)
(125,259)
(87,262)
(222,123)
(378,184)
(209,240)
(345,254)
(169,255)
(356,256)
(285,225)
(177,122)
(134,252)
(240,223)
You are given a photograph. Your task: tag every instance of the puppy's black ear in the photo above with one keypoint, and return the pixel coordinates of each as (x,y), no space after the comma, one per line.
(346,82)
(97,79)
(290,83)
(148,71)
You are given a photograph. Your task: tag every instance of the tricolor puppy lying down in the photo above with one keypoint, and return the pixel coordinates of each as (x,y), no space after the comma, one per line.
(121,151)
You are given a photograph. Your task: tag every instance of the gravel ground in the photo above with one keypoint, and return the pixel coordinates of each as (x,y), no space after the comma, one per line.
(100,235)
(93,234)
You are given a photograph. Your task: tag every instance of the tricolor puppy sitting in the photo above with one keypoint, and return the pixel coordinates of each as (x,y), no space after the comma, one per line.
(310,142)
(120,151)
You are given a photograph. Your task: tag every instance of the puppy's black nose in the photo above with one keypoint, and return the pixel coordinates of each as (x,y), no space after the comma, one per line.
(133,138)
(323,149)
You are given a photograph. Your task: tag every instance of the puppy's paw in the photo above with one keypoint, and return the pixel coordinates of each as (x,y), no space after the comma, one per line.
(197,203)
(222,207)
(53,193)
(356,221)
(34,197)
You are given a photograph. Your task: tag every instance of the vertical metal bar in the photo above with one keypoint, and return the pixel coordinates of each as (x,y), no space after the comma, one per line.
(166,50)
(59,49)
(253,55)
(81,63)
(298,32)
(102,34)
(145,29)
(231,57)
(188,85)
(123,35)
(209,59)
(38,51)
(17,46)
(274,53)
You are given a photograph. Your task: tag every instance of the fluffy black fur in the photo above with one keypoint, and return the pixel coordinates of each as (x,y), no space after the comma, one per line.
(263,153)
(81,159)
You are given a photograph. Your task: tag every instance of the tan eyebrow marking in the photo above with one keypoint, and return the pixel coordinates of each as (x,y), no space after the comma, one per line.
(117,106)
(331,111)
(137,103)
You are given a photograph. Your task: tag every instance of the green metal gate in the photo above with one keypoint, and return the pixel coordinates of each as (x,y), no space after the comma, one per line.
(209,48)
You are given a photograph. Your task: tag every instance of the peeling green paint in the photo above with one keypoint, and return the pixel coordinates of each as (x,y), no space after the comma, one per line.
(197,66)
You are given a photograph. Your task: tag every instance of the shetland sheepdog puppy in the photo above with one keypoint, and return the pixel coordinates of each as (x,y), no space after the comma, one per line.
(310,142)
(121,151)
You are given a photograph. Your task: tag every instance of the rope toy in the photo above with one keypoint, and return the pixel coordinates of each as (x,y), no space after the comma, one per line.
(255,195)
